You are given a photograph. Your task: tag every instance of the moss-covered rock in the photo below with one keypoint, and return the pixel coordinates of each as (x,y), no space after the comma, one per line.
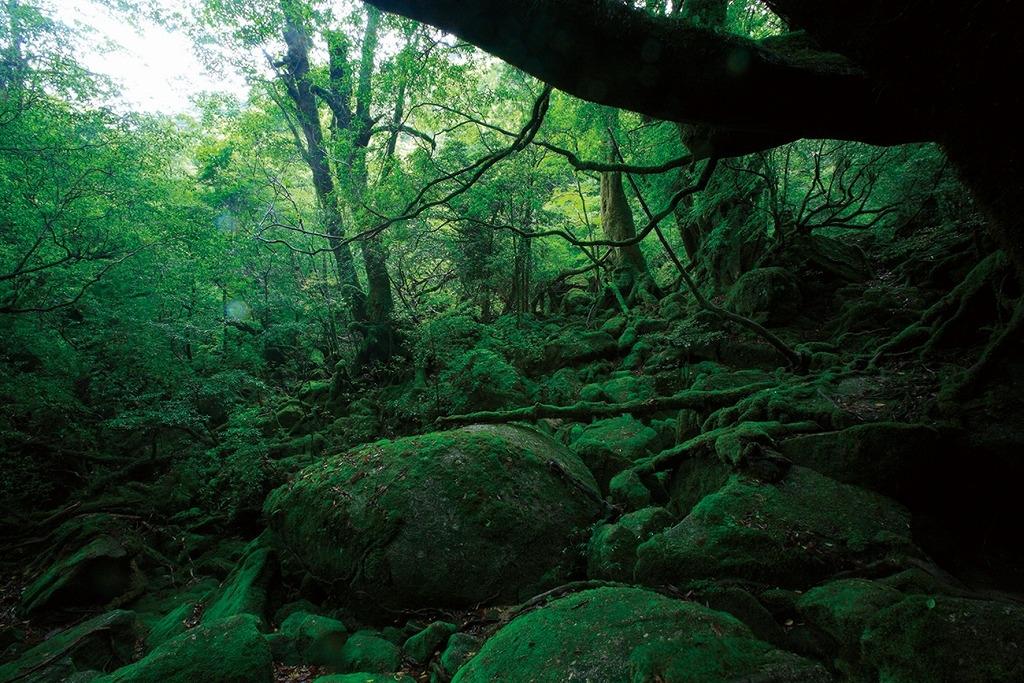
(768,295)
(940,638)
(366,651)
(102,643)
(621,634)
(609,446)
(305,638)
(882,456)
(245,591)
(290,415)
(90,565)
(446,519)
(228,651)
(574,347)
(628,387)
(166,614)
(461,647)
(561,388)
(793,533)
(628,490)
(740,603)
(422,646)
(841,610)
(612,550)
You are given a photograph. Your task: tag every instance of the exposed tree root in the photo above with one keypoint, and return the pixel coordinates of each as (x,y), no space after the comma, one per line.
(1001,344)
(950,314)
(694,400)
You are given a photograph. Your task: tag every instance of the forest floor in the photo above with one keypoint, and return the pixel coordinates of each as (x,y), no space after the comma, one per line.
(670,503)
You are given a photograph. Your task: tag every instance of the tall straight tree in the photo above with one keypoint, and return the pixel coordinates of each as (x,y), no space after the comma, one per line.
(294,69)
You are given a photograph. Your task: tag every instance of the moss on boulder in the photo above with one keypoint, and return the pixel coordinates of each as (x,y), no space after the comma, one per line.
(612,550)
(841,610)
(90,566)
(245,590)
(422,646)
(228,651)
(102,643)
(941,638)
(621,634)
(574,347)
(461,647)
(305,638)
(793,533)
(609,446)
(445,519)
(366,651)
(768,295)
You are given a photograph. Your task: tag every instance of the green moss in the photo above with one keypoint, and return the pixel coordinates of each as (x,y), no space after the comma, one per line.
(628,387)
(574,347)
(620,634)
(101,643)
(290,416)
(421,647)
(609,446)
(841,610)
(628,490)
(561,388)
(364,651)
(481,380)
(446,519)
(245,591)
(940,638)
(305,638)
(95,574)
(228,651)
(461,647)
(768,295)
(793,533)
(611,553)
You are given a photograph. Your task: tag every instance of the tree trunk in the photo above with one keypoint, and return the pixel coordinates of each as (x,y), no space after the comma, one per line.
(628,262)
(300,90)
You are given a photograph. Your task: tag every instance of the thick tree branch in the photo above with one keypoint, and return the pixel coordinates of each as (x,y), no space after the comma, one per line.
(607,51)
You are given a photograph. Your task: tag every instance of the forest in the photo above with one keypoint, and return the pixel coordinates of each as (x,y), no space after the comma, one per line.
(667,341)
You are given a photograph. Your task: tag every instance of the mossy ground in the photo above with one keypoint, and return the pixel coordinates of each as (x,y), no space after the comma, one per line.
(798,533)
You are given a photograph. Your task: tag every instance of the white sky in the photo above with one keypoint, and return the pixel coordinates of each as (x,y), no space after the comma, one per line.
(156,69)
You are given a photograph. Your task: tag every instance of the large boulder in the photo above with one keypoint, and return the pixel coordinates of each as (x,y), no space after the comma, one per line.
(623,634)
(840,610)
(446,519)
(941,638)
(793,533)
(228,651)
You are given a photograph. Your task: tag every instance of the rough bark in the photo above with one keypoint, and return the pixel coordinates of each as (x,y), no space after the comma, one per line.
(300,90)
